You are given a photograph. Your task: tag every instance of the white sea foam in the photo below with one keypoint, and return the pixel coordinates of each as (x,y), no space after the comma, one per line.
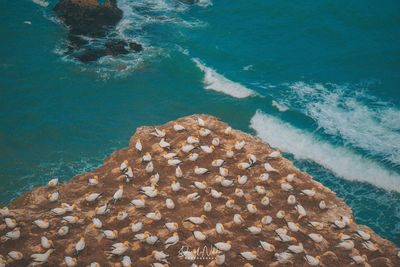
(280,106)
(305,146)
(354,116)
(204,3)
(41,3)
(217,82)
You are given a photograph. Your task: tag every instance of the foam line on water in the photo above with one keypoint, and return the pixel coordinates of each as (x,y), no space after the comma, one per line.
(217,82)
(305,146)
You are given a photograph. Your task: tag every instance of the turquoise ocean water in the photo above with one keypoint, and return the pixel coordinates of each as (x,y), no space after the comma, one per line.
(318,79)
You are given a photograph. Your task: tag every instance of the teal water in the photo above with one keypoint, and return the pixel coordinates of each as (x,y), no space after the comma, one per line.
(318,79)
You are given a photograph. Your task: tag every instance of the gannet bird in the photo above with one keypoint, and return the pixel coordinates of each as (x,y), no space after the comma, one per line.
(283,237)
(363,235)
(286,187)
(200,122)
(42,224)
(229,154)
(138,146)
(255,230)
(70,219)
(94,180)
(317,238)
(5,211)
(228,130)
(199,236)
(155,216)
(170,155)
(175,186)
(346,244)
(230,203)
(70,262)
(13,235)
(15,255)
(220,259)
(173,240)
(146,157)
(359,259)
(224,182)
(309,192)
(301,211)
(290,177)
(46,243)
(204,132)
(219,228)
(313,261)
(178,127)
(267,246)
(53,197)
(41,258)
(207,149)
(92,197)
(291,200)
(316,225)
(192,140)
(283,257)
(187,148)
(178,172)
(142,236)
(151,187)
(159,255)
(200,171)
(151,239)
(207,207)
(196,220)
(275,154)
(223,246)
(280,214)
(217,162)
(265,201)
(243,165)
(239,192)
(269,168)
(193,156)
(53,182)
(342,223)
(369,245)
(266,219)
(242,179)
(119,248)
(251,208)
(169,203)
(158,133)
(10,223)
(322,205)
(149,167)
(237,219)
(250,256)
(164,144)
(223,171)
(193,196)
(118,194)
(63,230)
(69,208)
(239,145)
(126,261)
(260,189)
(264,177)
(97,223)
(102,209)
(296,248)
(154,178)
(215,141)
(294,227)
(129,175)
(124,166)
(174,162)
(136,226)
(199,185)
(109,234)
(171,226)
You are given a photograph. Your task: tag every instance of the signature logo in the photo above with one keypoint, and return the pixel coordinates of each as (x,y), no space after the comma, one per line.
(201,253)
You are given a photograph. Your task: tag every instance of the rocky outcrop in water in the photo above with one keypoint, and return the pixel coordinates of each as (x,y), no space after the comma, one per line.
(189,184)
(90,18)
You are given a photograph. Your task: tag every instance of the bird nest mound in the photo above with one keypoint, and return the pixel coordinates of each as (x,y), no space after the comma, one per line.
(191,192)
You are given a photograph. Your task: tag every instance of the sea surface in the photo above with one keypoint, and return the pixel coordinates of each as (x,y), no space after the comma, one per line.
(317,79)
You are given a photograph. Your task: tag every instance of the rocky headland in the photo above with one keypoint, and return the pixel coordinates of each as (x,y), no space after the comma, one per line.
(179,188)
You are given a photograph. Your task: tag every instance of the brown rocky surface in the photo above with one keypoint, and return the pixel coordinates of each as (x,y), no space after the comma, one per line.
(36,205)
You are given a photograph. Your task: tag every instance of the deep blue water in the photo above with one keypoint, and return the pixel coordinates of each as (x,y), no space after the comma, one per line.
(318,79)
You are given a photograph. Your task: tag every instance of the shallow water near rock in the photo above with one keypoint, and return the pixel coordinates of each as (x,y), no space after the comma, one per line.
(334,66)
